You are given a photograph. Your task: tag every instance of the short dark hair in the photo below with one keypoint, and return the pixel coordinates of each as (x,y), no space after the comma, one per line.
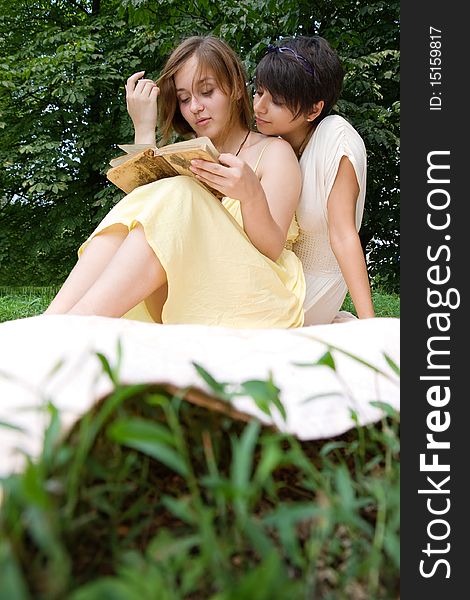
(289,82)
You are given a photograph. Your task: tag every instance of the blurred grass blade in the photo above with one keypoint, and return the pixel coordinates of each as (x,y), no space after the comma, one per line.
(6,425)
(265,394)
(107,368)
(181,508)
(271,458)
(392,364)
(12,584)
(387,408)
(354,357)
(151,439)
(322,395)
(52,434)
(215,386)
(327,360)
(345,488)
(242,462)
(165,546)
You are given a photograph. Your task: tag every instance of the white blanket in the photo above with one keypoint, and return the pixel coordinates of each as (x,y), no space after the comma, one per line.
(30,350)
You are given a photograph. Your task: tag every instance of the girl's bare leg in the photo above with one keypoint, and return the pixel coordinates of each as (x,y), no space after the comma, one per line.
(133,274)
(89,267)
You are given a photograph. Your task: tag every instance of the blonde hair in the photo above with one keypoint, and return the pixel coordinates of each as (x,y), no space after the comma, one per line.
(211,53)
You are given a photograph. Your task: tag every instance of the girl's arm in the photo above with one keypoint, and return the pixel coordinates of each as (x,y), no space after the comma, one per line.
(344,238)
(267,204)
(141,100)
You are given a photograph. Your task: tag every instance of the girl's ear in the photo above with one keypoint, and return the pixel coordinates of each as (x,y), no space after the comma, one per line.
(316,110)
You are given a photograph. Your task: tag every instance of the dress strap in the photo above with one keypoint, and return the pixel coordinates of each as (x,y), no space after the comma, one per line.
(261,155)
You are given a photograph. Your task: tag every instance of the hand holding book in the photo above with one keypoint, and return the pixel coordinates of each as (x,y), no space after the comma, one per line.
(144,163)
(232,176)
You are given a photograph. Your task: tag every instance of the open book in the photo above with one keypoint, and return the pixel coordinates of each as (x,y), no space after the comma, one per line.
(143,163)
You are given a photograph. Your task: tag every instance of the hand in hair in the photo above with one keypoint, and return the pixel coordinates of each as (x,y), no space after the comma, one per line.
(141,99)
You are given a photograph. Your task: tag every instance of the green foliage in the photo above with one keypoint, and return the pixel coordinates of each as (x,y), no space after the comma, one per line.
(63,66)
(150,492)
(385,304)
(367,39)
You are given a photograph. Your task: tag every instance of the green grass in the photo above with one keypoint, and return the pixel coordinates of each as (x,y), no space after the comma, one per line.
(151,497)
(385,304)
(17,303)
(21,302)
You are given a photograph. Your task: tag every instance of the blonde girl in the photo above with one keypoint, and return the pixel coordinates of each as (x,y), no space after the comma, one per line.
(170,252)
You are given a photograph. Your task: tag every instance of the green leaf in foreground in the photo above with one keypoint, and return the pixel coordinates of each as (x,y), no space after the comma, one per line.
(265,394)
(325,360)
(387,408)
(215,386)
(151,439)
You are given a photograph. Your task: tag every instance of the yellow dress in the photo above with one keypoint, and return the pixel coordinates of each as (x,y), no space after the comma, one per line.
(215,274)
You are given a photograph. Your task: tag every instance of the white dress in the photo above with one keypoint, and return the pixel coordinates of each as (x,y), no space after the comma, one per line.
(326,289)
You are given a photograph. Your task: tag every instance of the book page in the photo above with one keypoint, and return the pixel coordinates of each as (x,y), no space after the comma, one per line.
(181,161)
(139,170)
(130,150)
(152,164)
(180,155)
(203,143)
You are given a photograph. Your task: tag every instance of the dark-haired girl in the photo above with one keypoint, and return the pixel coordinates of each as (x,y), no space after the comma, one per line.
(298,82)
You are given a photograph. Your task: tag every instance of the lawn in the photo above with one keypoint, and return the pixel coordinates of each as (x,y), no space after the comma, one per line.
(16,303)
(153,498)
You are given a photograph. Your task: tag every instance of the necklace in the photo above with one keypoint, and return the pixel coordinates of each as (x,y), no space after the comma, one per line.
(305,141)
(241,145)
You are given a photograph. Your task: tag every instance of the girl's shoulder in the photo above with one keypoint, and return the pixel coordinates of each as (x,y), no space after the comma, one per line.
(336,128)
(259,141)
(264,148)
(333,137)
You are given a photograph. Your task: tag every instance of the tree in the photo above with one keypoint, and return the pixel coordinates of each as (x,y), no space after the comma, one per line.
(63,65)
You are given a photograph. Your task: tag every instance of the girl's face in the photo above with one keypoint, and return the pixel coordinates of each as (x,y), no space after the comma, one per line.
(202,103)
(273,118)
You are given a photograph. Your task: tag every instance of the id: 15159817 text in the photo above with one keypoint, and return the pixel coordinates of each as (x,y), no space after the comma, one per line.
(435,68)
